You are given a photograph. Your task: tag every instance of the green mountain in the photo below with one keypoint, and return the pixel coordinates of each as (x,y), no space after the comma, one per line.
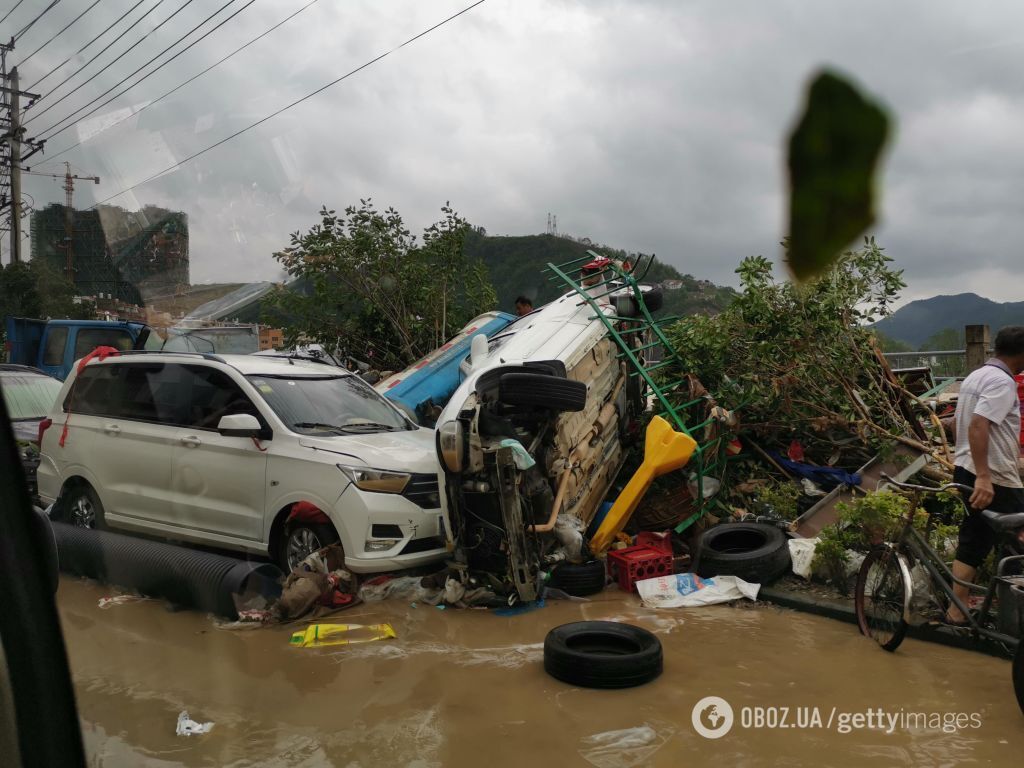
(919,321)
(516,267)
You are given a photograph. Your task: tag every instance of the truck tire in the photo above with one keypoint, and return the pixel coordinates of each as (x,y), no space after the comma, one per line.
(580,580)
(542,391)
(626,305)
(755,552)
(602,654)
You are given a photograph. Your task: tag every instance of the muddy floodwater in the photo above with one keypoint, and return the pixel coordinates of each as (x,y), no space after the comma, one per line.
(467,688)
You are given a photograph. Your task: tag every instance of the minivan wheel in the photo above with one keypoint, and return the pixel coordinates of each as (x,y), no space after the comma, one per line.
(82,508)
(303,539)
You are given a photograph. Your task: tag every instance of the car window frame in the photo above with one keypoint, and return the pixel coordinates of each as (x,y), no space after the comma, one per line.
(266,431)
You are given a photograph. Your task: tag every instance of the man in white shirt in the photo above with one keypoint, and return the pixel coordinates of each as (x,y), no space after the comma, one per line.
(987,451)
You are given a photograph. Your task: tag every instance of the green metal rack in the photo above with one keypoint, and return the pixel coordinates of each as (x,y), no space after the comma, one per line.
(634,336)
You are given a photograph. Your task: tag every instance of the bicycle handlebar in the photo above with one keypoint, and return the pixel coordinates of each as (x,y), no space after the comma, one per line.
(926,488)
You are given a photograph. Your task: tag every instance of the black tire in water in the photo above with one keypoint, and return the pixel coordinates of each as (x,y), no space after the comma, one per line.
(602,654)
(1018,674)
(81,507)
(755,552)
(579,580)
(881,597)
(541,391)
(302,539)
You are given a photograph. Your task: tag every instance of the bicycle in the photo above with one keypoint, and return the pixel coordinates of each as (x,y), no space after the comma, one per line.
(885,585)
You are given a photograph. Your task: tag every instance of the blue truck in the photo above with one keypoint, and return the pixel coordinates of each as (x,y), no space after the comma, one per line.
(52,346)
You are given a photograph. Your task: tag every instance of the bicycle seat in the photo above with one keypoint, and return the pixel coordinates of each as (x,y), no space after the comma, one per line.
(1003,523)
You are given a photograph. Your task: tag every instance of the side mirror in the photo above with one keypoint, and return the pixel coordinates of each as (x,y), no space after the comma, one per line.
(239,425)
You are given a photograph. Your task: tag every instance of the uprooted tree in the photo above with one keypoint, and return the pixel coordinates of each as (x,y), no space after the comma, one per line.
(362,284)
(798,361)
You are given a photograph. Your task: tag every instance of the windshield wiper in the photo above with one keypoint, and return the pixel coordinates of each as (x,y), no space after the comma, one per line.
(319,425)
(360,426)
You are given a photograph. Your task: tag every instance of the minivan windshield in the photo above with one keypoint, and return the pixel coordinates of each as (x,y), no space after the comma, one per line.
(328,404)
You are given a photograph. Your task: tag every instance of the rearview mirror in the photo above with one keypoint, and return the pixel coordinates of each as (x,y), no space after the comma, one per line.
(239,425)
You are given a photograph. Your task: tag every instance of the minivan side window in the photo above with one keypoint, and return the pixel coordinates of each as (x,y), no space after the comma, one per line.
(53,350)
(89,338)
(93,392)
(214,395)
(155,392)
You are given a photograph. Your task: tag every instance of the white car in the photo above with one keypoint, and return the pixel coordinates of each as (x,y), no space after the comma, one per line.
(255,454)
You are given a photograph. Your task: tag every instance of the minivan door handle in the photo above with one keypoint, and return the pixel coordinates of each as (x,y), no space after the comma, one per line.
(191,441)
(112,429)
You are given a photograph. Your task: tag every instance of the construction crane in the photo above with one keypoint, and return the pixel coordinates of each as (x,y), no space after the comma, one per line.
(69,189)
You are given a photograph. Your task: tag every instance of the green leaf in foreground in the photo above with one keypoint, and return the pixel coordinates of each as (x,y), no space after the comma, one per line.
(833,157)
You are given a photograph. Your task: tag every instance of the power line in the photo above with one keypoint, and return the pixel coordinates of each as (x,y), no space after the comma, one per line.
(152,72)
(308,96)
(66,27)
(191,79)
(109,63)
(11,11)
(101,34)
(32,23)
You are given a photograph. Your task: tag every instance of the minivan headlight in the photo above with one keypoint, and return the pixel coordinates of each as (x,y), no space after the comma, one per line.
(450,445)
(376,480)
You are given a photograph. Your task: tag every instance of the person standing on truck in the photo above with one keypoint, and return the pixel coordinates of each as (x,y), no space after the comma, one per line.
(987,450)
(524,306)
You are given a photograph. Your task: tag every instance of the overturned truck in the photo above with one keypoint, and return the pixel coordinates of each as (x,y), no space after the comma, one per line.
(532,440)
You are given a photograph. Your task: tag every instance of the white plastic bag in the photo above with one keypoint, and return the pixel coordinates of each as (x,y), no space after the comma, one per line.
(801,552)
(189,727)
(683,590)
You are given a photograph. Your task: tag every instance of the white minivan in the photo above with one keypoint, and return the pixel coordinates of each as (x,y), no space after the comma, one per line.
(261,455)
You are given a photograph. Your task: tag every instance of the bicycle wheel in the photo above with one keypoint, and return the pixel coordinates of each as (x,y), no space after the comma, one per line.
(1018,675)
(882,598)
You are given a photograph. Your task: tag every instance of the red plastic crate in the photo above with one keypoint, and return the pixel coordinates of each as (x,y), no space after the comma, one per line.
(637,563)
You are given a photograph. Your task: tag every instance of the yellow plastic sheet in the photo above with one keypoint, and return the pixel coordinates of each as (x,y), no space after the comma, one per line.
(319,635)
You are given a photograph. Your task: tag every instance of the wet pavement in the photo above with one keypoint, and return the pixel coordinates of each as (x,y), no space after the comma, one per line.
(467,688)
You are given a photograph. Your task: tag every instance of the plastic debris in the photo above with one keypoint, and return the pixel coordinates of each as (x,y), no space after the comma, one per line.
(801,553)
(690,590)
(319,635)
(628,747)
(110,602)
(189,727)
(520,455)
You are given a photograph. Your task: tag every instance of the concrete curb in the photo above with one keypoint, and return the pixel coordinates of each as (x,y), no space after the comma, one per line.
(843,610)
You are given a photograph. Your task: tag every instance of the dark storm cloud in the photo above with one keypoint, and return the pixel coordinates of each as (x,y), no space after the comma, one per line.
(654,126)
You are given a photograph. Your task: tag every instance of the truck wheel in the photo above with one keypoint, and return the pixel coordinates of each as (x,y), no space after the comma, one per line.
(602,654)
(541,391)
(755,552)
(302,539)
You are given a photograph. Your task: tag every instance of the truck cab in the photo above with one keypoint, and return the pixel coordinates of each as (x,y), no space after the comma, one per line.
(53,345)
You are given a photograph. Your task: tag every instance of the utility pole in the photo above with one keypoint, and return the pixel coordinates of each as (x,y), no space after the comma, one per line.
(15,168)
(69,211)
(14,137)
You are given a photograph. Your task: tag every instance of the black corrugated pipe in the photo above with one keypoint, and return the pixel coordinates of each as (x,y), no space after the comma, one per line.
(185,577)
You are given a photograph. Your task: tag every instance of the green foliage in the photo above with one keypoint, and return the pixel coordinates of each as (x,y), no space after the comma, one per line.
(35,289)
(516,265)
(833,154)
(867,521)
(889,344)
(779,499)
(373,292)
(788,357)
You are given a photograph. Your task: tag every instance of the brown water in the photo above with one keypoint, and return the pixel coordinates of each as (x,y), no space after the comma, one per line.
(467,688)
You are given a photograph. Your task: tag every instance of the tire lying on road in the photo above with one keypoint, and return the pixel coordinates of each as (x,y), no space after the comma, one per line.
(579,580)
(602,654)
(755,552)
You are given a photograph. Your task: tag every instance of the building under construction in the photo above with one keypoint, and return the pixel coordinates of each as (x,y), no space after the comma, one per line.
(107,250)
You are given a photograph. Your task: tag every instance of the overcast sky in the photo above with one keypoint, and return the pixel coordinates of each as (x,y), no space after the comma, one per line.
(652,126)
